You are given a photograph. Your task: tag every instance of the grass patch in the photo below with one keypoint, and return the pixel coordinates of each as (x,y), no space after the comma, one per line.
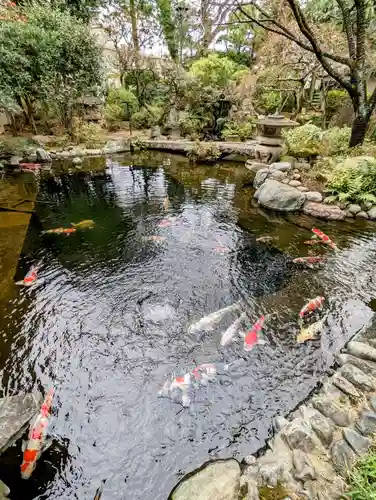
(362,480)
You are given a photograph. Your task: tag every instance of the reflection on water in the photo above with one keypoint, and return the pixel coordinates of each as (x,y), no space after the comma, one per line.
(108,321)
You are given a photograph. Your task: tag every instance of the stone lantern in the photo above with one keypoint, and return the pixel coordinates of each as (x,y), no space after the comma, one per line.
(269,138)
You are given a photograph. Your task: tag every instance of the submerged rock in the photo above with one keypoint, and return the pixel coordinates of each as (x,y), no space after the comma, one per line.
(219,480)
(277,196)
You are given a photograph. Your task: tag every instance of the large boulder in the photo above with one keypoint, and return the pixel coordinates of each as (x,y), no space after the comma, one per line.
(277,196)
(260,177)
(323,211)
(43,156)
(219,480)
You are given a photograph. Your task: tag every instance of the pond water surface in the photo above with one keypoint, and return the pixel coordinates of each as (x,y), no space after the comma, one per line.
(107,321)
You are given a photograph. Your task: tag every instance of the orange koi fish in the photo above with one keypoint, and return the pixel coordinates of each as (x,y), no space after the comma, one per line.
(37,443)
(252,337)
(309,260)
(164,223)
(325,238)
(30,277)
(312,305)
(61,230)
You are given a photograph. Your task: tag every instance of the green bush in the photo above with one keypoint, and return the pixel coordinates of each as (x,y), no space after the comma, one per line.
(354,180)
(270,101)
(215,71)
(145,119)
(304,141)
(89,134)
(362,480)
(335,100)
(336,141)
(190,126)
(122,102)
(203,151)
(243,130)
(114,112)
(17,146)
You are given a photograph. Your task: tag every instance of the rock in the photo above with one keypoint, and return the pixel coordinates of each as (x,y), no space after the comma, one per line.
(299,436)
(155,132)
(254,166)
(302,189)
(279,423)
(77,161)
(354,209)
(362,215)
(314,196)
(343,456)
(296,177)
(358,443)
(372,213)
(345,386)
(304,469)
(328,200)
(361,350)
(360,379)
(260,177)
(119,146)
(323,211)
(15,415)
(367,423)
(272,472)
(53,156)
(277,175)
(294,183)
(323,427)
(43,156)
(342,205)
(372,402)
(283,166)
(349,214)
(219,480)
(250,489)
(249,460)
(331,410)
(366,205)
(277,196)
(366,366)
(286,181)
(15,161)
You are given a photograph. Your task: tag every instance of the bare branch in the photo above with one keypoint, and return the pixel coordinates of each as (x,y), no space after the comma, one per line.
(372,103)
(348,26)
(361,28)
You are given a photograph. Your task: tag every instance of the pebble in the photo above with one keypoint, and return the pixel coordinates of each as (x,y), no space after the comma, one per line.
(314,196)
(303,189)
(357,377)
(331,410)
(277,175)
(296,177)
(294,183)
(367,423)
(358,443)
(249,460)
(361,350)
(323,427)
(260,177)
(345,386)
(279,423)
(343,456)
(283,166)
(367,205)
(77,161)
(372,213)
(362,215)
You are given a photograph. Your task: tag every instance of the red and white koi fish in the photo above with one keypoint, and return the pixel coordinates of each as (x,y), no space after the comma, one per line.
(30,277)
(30,165)
(204,372)
(208,322)
(164,223)
(221,249)
(325,238)
(252,336)
(233,330)
(61,230)
(37,443)
(312,306)
(183,383)
(310,260)
(312,242)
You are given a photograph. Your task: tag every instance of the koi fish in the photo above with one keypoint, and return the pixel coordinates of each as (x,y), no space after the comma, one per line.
(37,443)
(265,239)
(205,372)
(325,238)
(312,242)
(312,305)
(84,224)
(61,230)
(183,383)
(252,337)
(98,493)
(309,260)
(30,277)
(164,223)
(30,165)
(310,332)
(155,238)
(232,330)
(166,204)
(208,322)
(221,249)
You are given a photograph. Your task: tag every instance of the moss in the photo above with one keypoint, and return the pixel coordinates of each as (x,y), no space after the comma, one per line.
(277,493)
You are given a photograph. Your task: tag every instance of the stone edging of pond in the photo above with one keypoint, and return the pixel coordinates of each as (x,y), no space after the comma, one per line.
(311,454)
(278,187)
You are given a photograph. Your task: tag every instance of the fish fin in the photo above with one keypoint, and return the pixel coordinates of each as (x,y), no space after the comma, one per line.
(19,283)
(23,445)
(47,445)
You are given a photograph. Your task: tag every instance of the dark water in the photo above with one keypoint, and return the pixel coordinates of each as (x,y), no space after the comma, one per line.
(107,322)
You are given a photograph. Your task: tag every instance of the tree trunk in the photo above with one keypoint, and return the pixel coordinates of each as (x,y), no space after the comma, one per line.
(358,130)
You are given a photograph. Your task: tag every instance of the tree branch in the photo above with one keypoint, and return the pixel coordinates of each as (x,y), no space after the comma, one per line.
(361,28)
(348,26)
(372,103)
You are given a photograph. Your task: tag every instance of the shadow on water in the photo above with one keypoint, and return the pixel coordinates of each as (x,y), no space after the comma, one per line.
(107,321)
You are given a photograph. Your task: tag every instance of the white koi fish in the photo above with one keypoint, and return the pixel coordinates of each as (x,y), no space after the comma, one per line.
(204,373)
(209,321)
(183,383)
(232,330)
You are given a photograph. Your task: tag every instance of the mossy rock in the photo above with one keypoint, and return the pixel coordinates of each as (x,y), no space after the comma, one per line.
(271,493)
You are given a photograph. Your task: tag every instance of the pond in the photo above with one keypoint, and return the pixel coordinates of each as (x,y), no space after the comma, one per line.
(107,321)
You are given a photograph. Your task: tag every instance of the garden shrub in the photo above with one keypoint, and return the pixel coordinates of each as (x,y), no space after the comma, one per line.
(203,152)
(121,103)
(354,180)
(269,101)
(144,119)
(191,127)
(244,130)
(215,71)
(304,141)
(89,134)
(336,141)
(335,100)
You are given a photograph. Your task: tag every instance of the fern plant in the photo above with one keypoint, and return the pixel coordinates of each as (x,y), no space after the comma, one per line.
(356,182)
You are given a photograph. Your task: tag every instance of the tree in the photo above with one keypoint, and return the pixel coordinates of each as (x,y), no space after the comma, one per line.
(349,70)
(82,9)
(49,56)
